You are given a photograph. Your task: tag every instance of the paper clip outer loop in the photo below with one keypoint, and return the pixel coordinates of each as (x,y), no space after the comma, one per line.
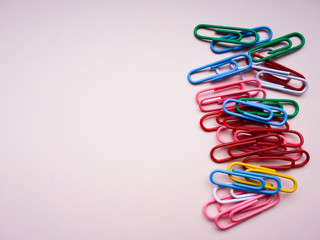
(242,46)
(228,60)
(237,32)
(207,116)
(280,51)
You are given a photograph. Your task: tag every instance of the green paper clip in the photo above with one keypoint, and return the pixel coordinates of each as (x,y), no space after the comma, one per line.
(236,32)
(273,102)
(282,50)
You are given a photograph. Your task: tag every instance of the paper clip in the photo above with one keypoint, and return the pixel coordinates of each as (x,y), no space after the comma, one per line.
(218,99)
(263,159)
(256,169)
(280,51)
(258,140)
(289,153)
(257,185)
(243,207)
(280,86)
(244,34)
(236,123)
(240,208)
(236,32)
(236,185)
(272,65)
(270,101)
(232,61)
(252,206)
(247,115)
(254,146)
(269,109)
(230,196)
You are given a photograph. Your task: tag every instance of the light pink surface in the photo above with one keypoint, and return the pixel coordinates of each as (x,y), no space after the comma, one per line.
(100,135)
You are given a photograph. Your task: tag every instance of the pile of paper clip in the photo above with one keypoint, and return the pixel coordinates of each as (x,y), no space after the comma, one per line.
(257,125)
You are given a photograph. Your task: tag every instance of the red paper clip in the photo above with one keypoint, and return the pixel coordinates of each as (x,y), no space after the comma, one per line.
(239,124)
(237,145)
(289,153)
(270,159)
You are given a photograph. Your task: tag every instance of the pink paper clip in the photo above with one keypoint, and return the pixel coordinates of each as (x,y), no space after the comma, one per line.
(252,206)
(259,204)
(214,100)
(230,197)
(263,208)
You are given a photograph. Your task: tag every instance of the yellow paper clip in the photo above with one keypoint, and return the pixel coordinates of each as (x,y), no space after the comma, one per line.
(258,169)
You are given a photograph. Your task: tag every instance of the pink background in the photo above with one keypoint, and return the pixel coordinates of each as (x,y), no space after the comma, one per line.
(99,127)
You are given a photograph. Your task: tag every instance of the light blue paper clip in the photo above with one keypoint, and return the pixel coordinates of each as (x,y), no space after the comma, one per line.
(280,87)
(244,34)
(254,117)
(215,65)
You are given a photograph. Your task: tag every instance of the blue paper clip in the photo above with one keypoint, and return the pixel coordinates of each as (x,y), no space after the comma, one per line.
(215,65)
(244,34)
(247,115)
(241,186)
(263,176)
(254,117)
(236,185)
